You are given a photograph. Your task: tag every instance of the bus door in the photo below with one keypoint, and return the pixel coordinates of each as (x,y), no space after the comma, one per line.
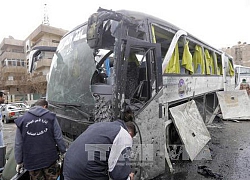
(142,74)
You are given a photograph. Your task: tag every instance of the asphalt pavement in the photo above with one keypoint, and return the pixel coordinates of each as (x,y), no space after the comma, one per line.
(229,146)
(230,152)
(9,132)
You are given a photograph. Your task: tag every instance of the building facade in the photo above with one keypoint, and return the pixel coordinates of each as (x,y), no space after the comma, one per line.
(240,53)
(14,58)
(13,68)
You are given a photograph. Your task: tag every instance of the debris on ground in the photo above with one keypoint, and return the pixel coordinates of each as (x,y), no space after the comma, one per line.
(207,172)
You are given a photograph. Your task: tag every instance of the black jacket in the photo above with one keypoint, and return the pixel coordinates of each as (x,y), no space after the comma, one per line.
(99,152)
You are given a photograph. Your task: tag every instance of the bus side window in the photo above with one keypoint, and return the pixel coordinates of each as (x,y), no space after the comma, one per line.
(173,66)
(186,61)
(132,75)
(198,60)
(209,62)
(230,67)
(216,68)
(219,62)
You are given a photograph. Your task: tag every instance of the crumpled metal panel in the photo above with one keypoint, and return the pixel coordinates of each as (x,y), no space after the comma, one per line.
(190,127)
(149,149)
(234,104)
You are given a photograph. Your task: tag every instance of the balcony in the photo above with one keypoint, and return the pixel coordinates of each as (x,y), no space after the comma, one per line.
(13,69)
(11,42)
(12,55)
(11,83)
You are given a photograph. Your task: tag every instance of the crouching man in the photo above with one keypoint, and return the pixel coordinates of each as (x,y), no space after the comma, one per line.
(100,152)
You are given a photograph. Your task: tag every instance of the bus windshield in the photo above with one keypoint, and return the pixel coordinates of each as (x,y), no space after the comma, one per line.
(71,70)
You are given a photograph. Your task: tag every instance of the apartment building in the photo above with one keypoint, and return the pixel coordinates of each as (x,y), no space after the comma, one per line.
(14,58)
(240,53)
(43,35)
(13,67)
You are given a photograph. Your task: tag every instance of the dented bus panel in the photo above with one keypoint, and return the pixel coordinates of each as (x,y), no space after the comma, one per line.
(123,60)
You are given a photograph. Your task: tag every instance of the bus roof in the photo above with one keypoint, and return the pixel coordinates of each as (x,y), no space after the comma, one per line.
(139,16)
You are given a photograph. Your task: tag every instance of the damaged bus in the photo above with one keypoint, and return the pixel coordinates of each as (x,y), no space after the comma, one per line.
(124,60)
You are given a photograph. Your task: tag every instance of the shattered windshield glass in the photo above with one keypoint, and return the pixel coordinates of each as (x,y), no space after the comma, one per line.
(71,71)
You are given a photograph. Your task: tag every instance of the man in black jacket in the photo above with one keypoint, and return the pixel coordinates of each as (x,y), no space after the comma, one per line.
(100,152)
(38,135)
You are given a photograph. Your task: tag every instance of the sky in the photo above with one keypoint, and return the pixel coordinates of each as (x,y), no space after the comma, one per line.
(220,23)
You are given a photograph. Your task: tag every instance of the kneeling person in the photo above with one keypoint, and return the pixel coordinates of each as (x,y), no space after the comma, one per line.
(100,152)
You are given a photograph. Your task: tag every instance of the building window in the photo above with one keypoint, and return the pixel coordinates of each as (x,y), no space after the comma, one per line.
(10,78)
(9,63)
(14,63)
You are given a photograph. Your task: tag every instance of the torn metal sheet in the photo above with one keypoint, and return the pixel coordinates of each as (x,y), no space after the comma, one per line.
(234,104)
(190,127)
(149,149)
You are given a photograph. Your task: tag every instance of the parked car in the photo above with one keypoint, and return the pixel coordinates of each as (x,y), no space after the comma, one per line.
(23,106)
(11,112)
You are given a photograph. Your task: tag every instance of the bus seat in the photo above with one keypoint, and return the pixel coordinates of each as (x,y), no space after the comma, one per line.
(198,71)
(141,92)
(182,69)
(132,79)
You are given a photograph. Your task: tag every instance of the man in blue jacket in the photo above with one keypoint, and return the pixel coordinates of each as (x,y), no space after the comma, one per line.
(100,152)
(38,135)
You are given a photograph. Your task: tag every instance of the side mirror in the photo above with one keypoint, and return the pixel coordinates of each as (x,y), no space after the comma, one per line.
(94,36)
(32,59)
(34,56)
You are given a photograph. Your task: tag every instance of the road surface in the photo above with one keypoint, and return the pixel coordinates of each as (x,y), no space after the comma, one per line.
(230,151)
(229,147)
(9,132)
